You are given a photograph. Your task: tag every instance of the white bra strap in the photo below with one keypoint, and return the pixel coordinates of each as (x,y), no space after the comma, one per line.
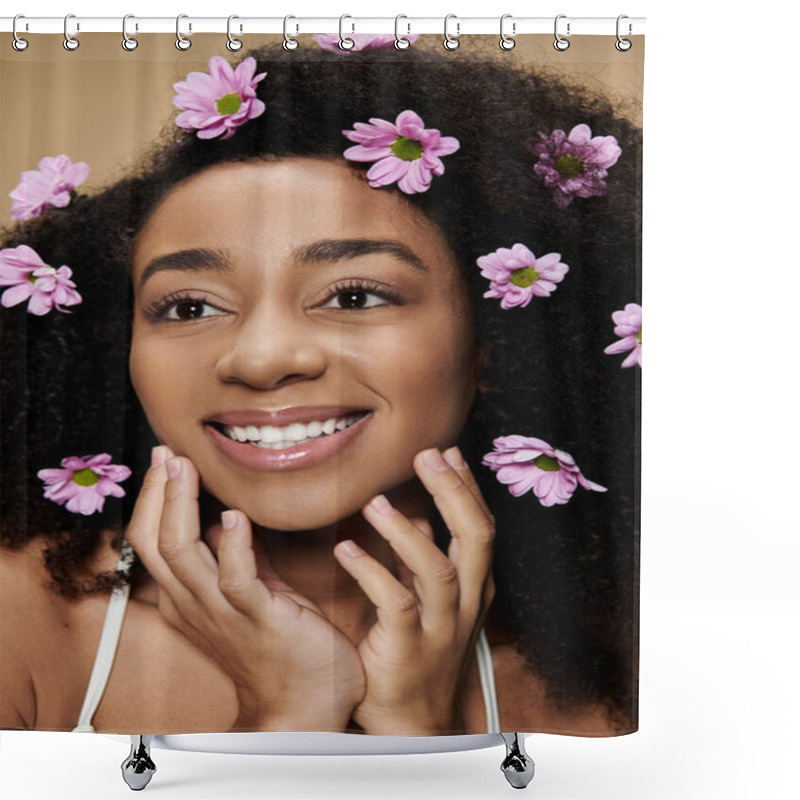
(486,669)
(108,647)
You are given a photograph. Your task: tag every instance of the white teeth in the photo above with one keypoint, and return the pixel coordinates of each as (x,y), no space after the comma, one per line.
(314,428)
(274,438)
(296,432)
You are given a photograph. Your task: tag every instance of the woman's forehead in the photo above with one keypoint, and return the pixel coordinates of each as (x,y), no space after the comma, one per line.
(283,204)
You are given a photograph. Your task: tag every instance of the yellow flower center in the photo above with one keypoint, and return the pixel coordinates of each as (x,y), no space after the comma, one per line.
(229,103)
(569,167)
(85,477)
(524,276)
(406,149)
(547,463)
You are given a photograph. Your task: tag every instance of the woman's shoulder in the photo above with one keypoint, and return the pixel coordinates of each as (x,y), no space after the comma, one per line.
(23,629)
(39,628)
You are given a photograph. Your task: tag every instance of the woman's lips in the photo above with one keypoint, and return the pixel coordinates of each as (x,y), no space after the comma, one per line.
(299,456)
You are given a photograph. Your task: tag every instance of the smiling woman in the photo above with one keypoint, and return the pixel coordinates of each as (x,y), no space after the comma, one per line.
(335,366)
(282,327)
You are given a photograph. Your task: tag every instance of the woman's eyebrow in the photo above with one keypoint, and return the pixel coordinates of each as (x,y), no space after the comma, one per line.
(327,251)
(197,260)
(332,250)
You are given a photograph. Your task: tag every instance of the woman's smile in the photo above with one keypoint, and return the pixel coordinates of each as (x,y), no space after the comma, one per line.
(288,447)
(311,329)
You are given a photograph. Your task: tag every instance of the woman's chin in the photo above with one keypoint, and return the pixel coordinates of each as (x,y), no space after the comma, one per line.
(296,517)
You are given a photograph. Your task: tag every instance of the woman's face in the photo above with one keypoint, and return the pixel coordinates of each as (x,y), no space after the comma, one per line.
(292,286)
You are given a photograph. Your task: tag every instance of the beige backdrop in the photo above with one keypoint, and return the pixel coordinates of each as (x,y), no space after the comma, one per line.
(50,97)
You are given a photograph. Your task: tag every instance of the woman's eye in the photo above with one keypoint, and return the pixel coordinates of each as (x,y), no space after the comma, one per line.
(189,309)
(356,298)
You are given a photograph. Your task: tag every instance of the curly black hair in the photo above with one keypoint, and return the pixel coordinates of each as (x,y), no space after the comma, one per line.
(566,575)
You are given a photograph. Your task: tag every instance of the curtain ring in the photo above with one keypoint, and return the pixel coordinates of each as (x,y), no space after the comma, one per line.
(70,42)
(623,45)
(560,42)
(506,42)
(182,43)
(451,42)
(18,43)
(128,42)
(289,42)
(345,43)
(400,42)
(233,44)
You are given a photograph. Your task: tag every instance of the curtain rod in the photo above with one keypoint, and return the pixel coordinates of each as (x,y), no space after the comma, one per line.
(567,26)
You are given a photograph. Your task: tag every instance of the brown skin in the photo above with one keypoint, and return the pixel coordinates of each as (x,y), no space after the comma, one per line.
(383,641)
(333,617)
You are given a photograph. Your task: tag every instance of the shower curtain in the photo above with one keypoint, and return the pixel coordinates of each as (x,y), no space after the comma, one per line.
(321,383)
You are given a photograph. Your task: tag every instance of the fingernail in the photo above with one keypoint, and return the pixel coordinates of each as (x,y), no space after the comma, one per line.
(382,506)
(228,520)
(433,458)
(350,549)
(174,467)
(454,458)
(157,456)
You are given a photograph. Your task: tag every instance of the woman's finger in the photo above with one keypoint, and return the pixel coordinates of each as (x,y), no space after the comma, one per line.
(396,605)
(404,573)
(471,527)
(179,539)
(456,460)
(264,568)
(143,528)
(435,575)
(238,575)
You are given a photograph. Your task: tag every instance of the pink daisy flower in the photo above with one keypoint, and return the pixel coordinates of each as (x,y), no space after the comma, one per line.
(363,41)
(83,483)
(50,186)
(220,100)
(405,151)
(517,276)
(29,278)
(628,325)
(525,463)
(575,164)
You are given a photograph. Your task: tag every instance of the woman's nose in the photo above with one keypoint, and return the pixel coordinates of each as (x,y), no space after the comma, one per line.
(268,352)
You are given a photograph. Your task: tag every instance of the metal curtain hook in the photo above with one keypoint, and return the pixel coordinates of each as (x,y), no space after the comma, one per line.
(560,42)
(233,44)
(18,43)
(506,42)
(70,42)
(623,45)
(182,43)
(345,43)
(289,42)
(400,42)
(128,42)
(451,42)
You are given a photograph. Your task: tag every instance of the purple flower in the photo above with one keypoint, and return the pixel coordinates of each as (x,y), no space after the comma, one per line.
(48,187)
(517,275)
(220,100)
(364,41)
(405,152)
(575,165)
(628,325)
(31,279)
(525,463)
(84,482)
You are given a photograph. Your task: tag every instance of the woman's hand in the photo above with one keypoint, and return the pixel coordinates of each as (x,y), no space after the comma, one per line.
(292,668)
(416,654)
